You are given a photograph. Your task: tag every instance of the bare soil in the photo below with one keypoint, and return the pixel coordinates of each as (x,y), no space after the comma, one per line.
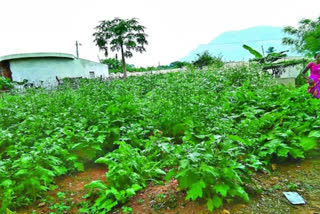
(266,193)
(72,186)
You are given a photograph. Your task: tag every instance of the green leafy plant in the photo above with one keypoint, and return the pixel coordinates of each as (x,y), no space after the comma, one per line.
(206,130)
(256,54)
(127,210)
(62,206)
(5,83)
(205,59)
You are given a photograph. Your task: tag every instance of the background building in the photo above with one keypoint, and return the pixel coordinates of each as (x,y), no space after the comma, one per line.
(45,68)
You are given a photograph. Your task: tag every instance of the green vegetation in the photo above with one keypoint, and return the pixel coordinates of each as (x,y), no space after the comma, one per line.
(207,129)
(178,64)
(116,67)
(271,50)
(305,37)
(61,207)
(5,83)
(205,59)
(274,60)
(124,35)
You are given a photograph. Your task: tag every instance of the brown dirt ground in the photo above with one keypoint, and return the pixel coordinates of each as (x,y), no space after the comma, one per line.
(72,186)
(265,193)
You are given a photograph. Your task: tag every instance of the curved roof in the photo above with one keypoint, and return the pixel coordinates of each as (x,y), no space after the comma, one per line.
(37,55)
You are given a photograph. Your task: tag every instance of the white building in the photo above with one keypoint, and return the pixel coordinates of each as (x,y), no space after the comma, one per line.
(45,68)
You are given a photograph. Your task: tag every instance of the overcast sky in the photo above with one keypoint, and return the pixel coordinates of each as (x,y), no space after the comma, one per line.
(175,27)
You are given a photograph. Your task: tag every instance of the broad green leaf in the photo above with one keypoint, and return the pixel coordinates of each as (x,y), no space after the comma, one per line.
(6,183)
(228,173)
(210,170)
(308,143)
(79,166)
(98,184)
(222,189)
(253,52)
(72,158)
(160,171)
(215,202)
(77,146)
(238,190)
(297,152)
(194,156)
(107,205)
(283,151)
(186,178)
(184,163)
(210,205)
(315,134)
(22,172)
(59,170)
(103,160)
(136,187)
(130,192)
(239,139)
(196,190)
(10,212)
(170,174)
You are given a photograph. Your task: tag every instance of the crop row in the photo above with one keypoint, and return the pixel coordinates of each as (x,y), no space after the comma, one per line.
(208,129)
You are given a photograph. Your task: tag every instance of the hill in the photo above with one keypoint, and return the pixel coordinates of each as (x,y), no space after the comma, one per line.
(229,44)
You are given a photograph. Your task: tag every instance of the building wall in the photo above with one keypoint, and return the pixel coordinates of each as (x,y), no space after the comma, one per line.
(292,71)
(43,71)
(100,70)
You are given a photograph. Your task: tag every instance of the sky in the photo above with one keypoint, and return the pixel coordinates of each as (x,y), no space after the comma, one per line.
(174,27)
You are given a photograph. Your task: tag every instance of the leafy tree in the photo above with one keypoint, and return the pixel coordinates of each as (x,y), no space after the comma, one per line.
(270,50)
(305,38)
(178,64)
(124,35)
(205,59)
(312,39)
(112,63)
(115,65)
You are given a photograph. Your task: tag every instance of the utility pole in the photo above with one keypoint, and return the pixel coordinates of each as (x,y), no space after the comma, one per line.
(77,48)
(262,50)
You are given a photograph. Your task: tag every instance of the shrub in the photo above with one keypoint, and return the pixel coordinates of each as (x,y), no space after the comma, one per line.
(5,83)
(206,59)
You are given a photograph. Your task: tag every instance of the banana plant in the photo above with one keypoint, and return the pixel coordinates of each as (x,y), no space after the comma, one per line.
(271,57)
(253,52)
(271,60)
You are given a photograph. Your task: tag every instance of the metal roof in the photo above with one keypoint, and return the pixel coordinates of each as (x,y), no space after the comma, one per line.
(37,55)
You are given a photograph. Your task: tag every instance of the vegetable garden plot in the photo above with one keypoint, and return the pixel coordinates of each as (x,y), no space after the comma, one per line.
(208,129)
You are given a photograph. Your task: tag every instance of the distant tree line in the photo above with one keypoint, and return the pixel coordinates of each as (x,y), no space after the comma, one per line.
(203,59)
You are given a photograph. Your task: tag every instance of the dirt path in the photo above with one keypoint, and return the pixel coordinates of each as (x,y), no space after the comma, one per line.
(265,193)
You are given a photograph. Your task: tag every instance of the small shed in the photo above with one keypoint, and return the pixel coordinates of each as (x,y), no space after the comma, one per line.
(45,68)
